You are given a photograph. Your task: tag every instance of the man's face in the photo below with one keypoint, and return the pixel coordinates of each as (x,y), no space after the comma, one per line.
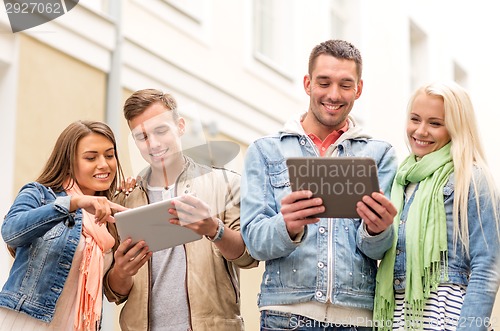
(157,135)
(333,86)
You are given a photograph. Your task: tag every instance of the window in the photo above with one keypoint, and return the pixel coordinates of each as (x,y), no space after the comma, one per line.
(273,34)
(419,59)
(338,19)
(460,75)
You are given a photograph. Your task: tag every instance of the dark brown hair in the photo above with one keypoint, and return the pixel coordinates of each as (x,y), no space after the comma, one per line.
(61,163)
(339,49)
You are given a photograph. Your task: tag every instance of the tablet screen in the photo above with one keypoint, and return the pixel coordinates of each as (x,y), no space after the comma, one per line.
(340,181)
(151,224)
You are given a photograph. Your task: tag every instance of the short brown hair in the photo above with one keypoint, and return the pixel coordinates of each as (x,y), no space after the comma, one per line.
(62,160)
(339,49)
(137,103)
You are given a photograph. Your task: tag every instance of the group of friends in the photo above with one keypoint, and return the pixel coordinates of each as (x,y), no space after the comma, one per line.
(422,255)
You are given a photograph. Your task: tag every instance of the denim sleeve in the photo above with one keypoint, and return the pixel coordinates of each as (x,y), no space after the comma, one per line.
(387,167)
(262,225)
(30,217)
(375,246)
(484,253)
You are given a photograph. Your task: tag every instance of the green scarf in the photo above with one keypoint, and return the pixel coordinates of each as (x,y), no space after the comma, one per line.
(426,240)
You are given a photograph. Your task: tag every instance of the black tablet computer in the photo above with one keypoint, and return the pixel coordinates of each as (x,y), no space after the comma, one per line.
(340,181)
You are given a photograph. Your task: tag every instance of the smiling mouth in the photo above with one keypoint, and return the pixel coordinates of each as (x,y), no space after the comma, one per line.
(421,142)
(332,107)
(159,154)
(102,176)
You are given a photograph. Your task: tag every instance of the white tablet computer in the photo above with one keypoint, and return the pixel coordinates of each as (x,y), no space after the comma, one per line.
(151,224)
(340,181)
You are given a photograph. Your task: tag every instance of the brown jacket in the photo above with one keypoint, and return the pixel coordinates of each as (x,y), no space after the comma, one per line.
(212,281)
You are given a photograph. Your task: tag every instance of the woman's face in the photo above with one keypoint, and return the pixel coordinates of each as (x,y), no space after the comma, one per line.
(425,129)
(95,167)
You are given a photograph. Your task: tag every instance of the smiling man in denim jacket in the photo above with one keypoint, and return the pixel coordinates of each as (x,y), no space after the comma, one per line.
(320,273)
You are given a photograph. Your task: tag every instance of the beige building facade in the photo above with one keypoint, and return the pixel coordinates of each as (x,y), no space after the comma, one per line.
(236,69)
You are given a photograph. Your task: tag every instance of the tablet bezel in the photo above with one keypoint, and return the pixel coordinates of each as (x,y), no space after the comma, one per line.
(151,224)
(347,194)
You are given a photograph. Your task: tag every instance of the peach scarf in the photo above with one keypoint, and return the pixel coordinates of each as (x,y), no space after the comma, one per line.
(89,297)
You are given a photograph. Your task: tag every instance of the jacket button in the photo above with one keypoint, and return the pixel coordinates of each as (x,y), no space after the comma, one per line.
(302,142)
(397,282)
(321,265)
(398,251)
(321,230)
(319,294)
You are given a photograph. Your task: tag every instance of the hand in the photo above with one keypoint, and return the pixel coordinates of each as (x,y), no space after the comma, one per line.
(377,212)
(297,209)
(129,259)
(127,186)
(194,214)
(100,207)
(127,262)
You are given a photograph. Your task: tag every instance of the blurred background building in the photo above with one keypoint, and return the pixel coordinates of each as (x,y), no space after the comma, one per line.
(236,68)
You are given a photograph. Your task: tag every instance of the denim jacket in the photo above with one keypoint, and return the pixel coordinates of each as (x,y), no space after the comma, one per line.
(44,235)
(479,270)
(335,260)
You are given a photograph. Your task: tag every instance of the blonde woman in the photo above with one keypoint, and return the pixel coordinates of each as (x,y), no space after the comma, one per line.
(442,271)
(59,232)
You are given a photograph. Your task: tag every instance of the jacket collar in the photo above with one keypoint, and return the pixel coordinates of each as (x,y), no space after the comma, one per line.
(191,170)
(294,127)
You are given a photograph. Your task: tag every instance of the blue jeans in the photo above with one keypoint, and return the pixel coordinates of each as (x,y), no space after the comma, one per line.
(271,320)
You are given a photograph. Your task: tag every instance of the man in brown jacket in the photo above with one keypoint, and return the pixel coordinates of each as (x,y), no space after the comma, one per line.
(188,287)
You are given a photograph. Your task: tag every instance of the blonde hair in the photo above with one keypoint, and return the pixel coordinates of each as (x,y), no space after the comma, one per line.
(467,153)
